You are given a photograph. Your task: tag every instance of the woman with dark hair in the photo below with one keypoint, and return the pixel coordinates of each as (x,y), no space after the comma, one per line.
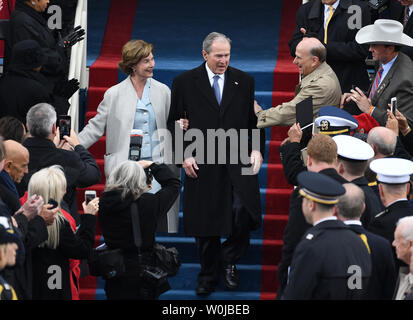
(126,184)
(12,129)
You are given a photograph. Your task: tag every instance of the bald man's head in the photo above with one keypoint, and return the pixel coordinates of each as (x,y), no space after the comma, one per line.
(309,54)
(383,141)
(16,160)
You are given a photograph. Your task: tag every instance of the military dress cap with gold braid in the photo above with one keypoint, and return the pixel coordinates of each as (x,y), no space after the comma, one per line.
(7,235)
(334,121)
(319,187)
(392,170)
(353,149)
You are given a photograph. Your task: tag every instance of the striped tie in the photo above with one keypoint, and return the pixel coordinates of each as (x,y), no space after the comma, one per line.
(364,238)
(376,82)
(406,16)
(331,9)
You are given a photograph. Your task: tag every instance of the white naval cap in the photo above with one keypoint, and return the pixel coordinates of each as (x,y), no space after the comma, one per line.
(392,170)
(332,120)
(352,148)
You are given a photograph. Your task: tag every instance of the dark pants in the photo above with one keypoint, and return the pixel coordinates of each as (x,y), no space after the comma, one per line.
(214,255)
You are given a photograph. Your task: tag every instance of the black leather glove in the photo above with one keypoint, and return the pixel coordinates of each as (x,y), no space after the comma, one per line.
(72,38)
(66,88)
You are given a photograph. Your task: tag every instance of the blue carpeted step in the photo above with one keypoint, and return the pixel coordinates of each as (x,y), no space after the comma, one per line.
(217,295)
(191,295)
(186,279)
(188,252)
(277,222)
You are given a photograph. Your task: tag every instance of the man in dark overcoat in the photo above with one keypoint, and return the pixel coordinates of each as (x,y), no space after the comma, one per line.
(383,275)
(221,191)
(393,177)
(401,10)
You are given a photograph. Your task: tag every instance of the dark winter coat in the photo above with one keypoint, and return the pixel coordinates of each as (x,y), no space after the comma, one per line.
(28,24)
(207,201)
(51,272)
(79,166)
(20,90)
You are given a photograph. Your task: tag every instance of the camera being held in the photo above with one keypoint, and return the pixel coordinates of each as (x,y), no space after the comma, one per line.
(128,218)
(135,145)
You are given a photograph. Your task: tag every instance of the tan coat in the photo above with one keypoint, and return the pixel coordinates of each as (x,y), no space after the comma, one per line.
(322,84)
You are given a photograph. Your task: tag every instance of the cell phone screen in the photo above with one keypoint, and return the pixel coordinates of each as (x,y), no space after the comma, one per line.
(64,124)
(89,197)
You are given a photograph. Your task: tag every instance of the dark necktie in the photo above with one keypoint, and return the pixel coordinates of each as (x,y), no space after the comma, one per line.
(406,16)
(215,86)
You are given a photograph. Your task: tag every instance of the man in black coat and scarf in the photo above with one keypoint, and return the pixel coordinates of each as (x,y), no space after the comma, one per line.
(24,85)
(28,23)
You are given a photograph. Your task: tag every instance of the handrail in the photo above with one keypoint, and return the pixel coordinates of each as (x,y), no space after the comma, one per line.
(77,68)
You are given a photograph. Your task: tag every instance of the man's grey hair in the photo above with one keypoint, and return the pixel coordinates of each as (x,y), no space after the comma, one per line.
(128,177)
(40,120)
(351,204)
(386,145)
(407,230)
(206,44)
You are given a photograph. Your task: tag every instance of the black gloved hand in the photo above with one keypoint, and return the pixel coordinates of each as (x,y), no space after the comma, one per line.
(72,38)
(66,88)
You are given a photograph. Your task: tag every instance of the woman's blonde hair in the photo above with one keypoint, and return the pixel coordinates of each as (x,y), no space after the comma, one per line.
(130,178)
(132,53)
(50,183)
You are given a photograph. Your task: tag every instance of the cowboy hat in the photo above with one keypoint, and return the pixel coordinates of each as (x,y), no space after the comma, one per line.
(384,31)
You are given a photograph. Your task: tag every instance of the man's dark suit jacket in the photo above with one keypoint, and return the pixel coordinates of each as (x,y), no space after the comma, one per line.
(396,12)
(384,224)
(296,225)
(398,82)
(383,272)
(345,56)
(79,166)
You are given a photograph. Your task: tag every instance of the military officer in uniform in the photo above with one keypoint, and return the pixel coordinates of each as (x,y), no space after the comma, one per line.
(321,157)
(350,208)
(393,176)
(330,121)
(8,248)
(331,262)
(353,156)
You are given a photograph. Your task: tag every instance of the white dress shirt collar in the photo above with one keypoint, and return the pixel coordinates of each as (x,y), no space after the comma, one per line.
(325,219)
(352,222)
(327,10)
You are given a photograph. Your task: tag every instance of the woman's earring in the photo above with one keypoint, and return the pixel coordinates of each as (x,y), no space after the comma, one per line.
(33,3)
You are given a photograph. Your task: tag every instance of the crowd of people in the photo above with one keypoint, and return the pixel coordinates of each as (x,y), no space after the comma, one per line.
(350,229)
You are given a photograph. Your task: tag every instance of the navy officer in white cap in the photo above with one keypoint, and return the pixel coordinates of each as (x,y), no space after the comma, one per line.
(331,121)
(331,261)
(393,176)
(353,159)
(334,121)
